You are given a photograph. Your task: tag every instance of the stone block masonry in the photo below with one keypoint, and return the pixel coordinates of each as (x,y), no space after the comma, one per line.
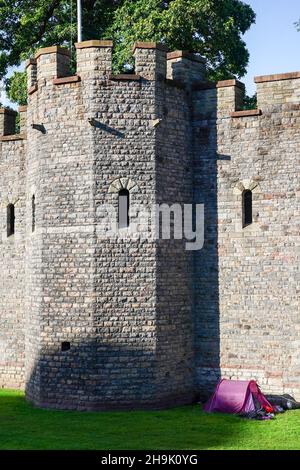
(96,323)
(246,279)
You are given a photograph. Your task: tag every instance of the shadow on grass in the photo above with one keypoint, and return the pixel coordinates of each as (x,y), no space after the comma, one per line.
(186,428)
(24,427)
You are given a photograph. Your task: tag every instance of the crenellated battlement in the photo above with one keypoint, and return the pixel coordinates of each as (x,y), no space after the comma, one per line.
(152,62)
(279,89)
(51,67)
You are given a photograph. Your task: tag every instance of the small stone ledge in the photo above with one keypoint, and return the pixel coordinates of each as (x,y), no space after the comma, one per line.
(65,80)
(149,45)
(277,77)
(94,43)
(22,109)
(125,76)
(32,89)
(230,83)
(246,113)
(10,138)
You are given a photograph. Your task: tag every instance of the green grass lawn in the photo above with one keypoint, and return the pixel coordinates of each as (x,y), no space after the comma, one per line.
(25,427)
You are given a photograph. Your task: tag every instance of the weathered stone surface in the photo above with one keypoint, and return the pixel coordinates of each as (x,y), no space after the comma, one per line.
(245,280)
(148,323)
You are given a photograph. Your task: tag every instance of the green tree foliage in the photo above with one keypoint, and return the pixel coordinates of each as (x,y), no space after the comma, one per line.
(16,88)
(213,28)
(250,102)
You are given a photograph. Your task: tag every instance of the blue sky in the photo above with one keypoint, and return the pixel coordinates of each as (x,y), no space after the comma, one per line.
(273,42)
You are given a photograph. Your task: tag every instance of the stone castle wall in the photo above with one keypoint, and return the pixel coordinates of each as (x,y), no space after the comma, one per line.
(147,323)
(247,311)
(12,256)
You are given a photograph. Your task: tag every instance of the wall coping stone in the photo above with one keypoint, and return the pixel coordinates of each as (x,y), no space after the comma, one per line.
(185,55)
(94,43)
(9,138)
(65,80)
(149,45)
(229,83)
(22,109)
(246,112)
(276,77)
(125,76)
(52,50)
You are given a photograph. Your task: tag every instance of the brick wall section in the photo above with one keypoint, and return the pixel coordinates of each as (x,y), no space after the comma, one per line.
(12,254)
(125,270)
(247,307)
(60,252)
(142,359)
(174,177)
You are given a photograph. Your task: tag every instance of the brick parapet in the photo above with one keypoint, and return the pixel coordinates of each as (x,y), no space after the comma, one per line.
(277,77)
(279,89)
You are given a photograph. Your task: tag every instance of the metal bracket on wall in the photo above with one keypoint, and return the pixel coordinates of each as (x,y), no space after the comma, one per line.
(39,127)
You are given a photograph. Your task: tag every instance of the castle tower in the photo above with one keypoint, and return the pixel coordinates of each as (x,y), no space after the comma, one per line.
(106,326)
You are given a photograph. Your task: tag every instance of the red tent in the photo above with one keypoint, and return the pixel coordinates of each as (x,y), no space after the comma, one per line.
(237,397)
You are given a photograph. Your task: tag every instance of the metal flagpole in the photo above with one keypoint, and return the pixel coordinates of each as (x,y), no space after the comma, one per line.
(79,21)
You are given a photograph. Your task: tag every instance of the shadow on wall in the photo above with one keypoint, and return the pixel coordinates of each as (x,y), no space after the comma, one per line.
(206,265)
(100,376)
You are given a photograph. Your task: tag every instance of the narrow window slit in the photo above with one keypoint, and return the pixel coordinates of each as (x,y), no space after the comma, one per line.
(10,220)
(123,208)
(247,208)
(33,207)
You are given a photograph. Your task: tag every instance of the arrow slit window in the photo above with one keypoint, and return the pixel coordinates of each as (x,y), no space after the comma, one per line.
(123,208)
(10,220)
(33,207)
(247,208)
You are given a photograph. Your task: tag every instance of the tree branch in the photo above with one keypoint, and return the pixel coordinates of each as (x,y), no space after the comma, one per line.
(48,14)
